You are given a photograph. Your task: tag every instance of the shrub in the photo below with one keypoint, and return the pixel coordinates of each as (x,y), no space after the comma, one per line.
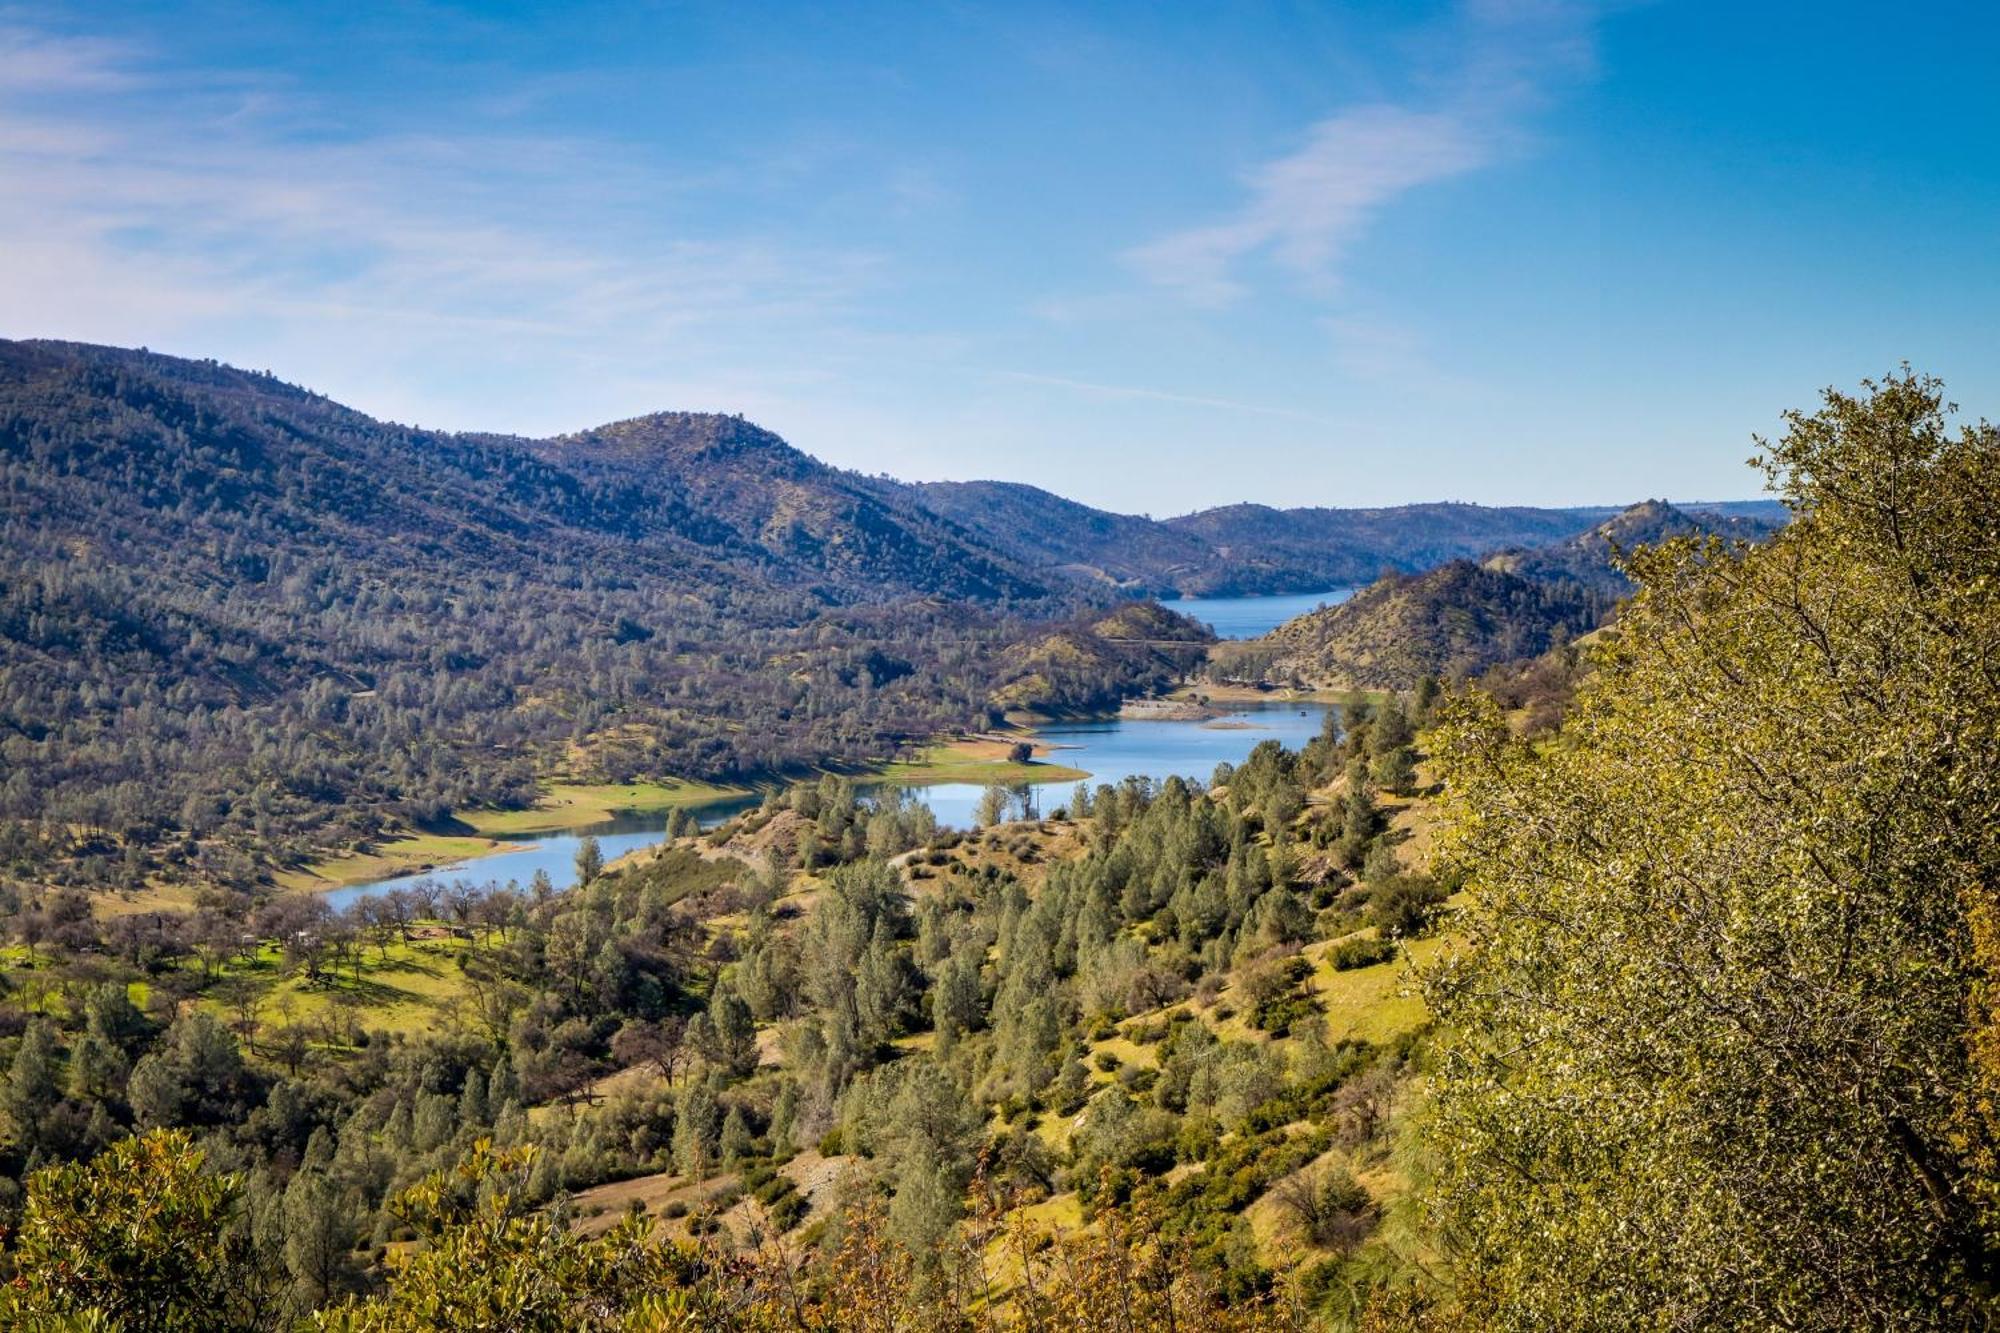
(1351,954)
(788,1211)
(1405,905)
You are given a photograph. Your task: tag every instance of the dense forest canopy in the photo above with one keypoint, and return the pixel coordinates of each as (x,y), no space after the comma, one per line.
(240,623)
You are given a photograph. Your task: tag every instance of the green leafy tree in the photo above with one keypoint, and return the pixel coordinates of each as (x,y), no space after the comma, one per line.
(138,1240)
(1716,1036)
(490,1262)
(991,808)
(732,1030)
(696,1140)
(195,1077)
(320,1232)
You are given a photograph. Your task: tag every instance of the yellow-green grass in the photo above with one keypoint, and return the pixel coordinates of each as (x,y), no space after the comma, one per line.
(419,851)
(409,987)
(1376,1003)
(983,762)
(1129,1052)
(601,1207)
(1059,1214)
(565,805)
(156,896)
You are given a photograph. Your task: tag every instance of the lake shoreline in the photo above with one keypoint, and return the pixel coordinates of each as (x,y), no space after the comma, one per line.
(950,775)
(568,807)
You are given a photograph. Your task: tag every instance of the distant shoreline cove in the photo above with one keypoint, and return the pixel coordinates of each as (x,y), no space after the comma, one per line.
(1253,617)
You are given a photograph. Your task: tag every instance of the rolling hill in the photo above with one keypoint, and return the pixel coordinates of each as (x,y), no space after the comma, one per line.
(242,623)
(1463,616)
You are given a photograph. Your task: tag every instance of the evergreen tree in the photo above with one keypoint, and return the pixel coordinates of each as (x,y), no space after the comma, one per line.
(320,1232)
(695,1131)
(32,1086)
(589,859)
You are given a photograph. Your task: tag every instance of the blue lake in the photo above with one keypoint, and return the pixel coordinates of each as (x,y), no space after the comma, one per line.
(1109,749)
(1248,617)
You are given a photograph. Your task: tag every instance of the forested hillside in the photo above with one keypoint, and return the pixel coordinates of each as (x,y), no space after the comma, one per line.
(240,623)
(1462,618)
(1048,532)
(1304,550)
(829,1056)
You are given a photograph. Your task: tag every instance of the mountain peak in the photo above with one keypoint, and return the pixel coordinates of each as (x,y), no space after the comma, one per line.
(684,437)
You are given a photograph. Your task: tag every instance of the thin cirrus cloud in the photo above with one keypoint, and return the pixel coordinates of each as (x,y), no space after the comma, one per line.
(1492,65)
(1306,209)
(32,61)
(177,206)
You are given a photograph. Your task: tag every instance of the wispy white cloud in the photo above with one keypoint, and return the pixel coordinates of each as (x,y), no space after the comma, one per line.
(1307,207)
(40,62)
(188,208)
(1305,210)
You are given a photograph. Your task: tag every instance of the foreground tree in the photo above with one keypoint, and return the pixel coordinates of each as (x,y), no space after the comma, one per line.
(488,1262)
(1724,1036)
(136,1240)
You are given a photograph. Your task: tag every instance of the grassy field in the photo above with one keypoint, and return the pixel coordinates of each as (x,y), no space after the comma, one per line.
(979,760)
(570,805)
(1376,1003)
(409,987)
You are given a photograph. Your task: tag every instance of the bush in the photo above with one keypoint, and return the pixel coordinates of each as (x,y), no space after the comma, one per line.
(788,1211)
(1351,954)
(1405,905)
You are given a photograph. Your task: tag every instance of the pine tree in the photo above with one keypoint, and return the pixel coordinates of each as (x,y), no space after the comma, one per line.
(695,1136)
(589,859)
(32,1088)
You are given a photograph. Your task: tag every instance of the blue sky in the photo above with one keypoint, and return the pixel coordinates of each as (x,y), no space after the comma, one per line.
(1153,256)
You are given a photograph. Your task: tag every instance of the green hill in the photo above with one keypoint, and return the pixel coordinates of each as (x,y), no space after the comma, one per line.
(1461,618)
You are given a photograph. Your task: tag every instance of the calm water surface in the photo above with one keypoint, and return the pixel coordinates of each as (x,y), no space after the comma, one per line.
(1248,617)
(1109,749)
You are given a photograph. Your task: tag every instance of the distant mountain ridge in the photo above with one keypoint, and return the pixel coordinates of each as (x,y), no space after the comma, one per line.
(242,625)
(1590,558)
(770,497)
(1252,549)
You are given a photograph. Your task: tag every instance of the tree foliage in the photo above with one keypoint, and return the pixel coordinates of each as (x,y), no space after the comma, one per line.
(1723,1032)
